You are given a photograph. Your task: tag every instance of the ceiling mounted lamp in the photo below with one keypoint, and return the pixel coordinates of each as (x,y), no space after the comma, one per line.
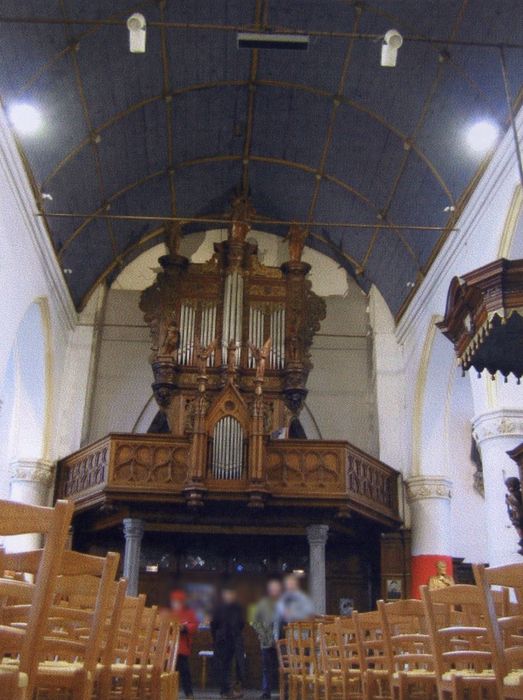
(25,118)
(267,40)
(136,24)
(392,41)
(482,136)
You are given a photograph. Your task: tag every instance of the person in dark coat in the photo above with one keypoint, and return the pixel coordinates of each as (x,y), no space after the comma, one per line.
(227,624)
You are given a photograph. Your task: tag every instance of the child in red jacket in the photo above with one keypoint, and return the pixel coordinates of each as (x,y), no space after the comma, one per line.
(188,626)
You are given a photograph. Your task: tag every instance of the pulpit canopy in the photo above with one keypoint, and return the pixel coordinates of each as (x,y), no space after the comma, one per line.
(484,318)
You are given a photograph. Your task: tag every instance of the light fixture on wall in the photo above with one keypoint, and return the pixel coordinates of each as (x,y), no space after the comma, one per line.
(392,41)
(136,24)
(25,118)
(482,136)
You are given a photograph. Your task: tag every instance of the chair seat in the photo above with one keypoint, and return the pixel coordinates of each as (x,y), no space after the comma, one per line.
(471,674)
(514,678)
(22,678)
(415,672)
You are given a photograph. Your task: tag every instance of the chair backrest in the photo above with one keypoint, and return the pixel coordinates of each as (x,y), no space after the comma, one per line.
(369,637)
(458,631)
(283,655)
(26,639)
(128,633)
(506,628)
(76,621)
(405,636)
(339,647)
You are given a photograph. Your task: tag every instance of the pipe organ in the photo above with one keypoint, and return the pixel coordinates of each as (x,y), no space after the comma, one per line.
(230,353)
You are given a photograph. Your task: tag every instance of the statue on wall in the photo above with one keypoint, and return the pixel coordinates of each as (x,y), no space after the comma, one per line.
(261,355)
(202,354)
(514,503)
(173,234)
(242,213)
(296,238)
(441,579)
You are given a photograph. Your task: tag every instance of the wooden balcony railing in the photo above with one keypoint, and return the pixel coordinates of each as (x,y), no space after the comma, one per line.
(310,472)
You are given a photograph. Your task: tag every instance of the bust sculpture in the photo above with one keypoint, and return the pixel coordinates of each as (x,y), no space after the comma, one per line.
(441,579)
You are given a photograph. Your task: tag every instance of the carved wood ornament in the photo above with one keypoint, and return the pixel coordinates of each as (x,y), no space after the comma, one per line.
(231,322)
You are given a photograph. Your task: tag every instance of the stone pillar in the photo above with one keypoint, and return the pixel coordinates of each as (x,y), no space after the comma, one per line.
(133,532)
(29,482)
(496,432)
(317,537)
(429,499)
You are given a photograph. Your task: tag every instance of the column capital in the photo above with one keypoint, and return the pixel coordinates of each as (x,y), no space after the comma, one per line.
(39,471)
(422,487)
(503,422)
(317,534)
(133,528)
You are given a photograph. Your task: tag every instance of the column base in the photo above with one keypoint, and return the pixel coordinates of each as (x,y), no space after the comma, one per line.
(423,567)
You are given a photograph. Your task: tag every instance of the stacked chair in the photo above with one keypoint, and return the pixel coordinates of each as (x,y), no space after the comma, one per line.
(68,631)
(463,642)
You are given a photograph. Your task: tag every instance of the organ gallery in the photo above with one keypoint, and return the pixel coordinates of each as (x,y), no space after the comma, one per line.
(261,302)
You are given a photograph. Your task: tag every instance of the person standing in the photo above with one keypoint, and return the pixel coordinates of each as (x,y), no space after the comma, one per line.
(293,606)
(227,624)
(263,625)
(188,622)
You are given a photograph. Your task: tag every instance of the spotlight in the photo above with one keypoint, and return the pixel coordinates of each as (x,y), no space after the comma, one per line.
(25,118)
(389,48)
(482,135)
(136,25)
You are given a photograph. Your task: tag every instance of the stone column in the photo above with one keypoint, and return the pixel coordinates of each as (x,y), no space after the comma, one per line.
(496,432)
(133,532)
(429,499)
(29,482)
(317,537)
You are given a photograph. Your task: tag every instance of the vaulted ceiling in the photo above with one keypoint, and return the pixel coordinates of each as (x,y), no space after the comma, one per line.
(372,158)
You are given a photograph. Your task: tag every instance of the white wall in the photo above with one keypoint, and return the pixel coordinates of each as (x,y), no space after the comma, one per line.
(434,418)
(31,283)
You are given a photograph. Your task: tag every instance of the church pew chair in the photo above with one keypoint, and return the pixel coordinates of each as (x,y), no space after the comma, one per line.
(406,645)
(340,667)
(460,641)
(373,662)
(23,642)
(284,668)
(67,659)
(506,628)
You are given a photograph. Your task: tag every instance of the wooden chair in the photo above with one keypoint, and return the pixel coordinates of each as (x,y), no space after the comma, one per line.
(23,642)
(67,659)
(119,671)
(160,678)
(284,668)
(407,648)
(371,652)
(303,651)
(341,673)
(460,641)
(506,628)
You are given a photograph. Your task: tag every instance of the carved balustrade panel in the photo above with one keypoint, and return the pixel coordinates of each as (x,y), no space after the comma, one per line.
(372,481)
(149,464)
(305,468)
(85,471)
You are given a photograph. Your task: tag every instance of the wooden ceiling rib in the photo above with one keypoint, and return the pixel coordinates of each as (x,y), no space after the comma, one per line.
(379,204)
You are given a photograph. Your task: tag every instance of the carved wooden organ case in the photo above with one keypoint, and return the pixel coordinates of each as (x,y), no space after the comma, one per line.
(231,343)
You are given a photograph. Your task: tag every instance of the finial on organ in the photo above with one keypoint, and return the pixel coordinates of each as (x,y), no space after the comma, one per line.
(296,239)
(173,234)
(241,215)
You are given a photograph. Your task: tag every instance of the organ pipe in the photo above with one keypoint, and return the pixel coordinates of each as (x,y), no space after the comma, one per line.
(232,311)
(227,449)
